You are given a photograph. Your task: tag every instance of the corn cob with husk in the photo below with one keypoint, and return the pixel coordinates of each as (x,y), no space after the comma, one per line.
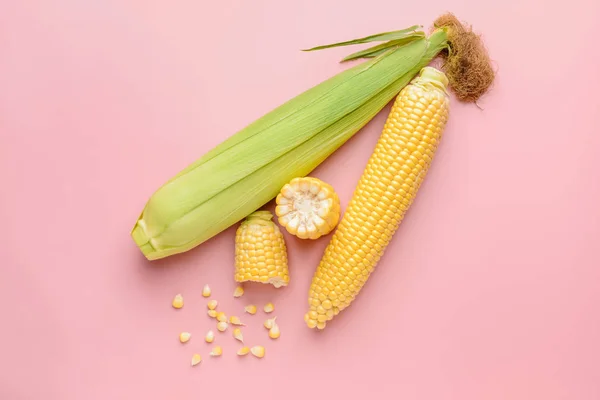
(248,169)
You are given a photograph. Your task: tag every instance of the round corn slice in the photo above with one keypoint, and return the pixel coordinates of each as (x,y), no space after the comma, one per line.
(260,251)
(308,208)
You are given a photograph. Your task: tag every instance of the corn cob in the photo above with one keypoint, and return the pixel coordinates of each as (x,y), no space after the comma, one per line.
(260,252)
(384,193)
(308,208)
(247,170)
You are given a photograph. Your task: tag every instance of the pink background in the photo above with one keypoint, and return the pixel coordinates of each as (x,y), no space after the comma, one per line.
(490,289)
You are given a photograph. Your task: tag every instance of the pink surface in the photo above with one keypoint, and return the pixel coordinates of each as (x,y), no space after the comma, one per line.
(489,290)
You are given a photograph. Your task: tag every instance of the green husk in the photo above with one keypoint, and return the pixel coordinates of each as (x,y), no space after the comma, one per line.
(247,170)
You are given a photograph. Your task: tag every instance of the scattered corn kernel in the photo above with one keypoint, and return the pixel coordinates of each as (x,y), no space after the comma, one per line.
(184,337)
(258,351)
(251,309)
(269,307)
(237,334)
(216,351)
(212,313)
(178,301)
(238,292)
(222,326)
(196,359)
(221,317)
(243,351)
(274,331)
(212,304)
(210,336)
(233,320)
(269,323)
(206,291)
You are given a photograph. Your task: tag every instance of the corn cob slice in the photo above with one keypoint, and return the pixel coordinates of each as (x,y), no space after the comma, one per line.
(384,193)
(247,170)
(260,251)
(308,208)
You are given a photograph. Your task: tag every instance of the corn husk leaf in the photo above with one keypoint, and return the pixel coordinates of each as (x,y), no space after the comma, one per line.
(380,37)
(383,47)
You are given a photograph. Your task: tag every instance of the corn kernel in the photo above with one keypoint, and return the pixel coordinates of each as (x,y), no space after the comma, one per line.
(269,307)
(260,252)
(222,326)
(196,359)
(243,351)
(238,292)
(250,309)
(212,304)
(210,336)
(178,301)
(274,331)
(258,351)
(184,337)
(269,323)
(216,351)
(221,317)
(206,291)
(212,313)
(233,320)
(307,207)
(237,334)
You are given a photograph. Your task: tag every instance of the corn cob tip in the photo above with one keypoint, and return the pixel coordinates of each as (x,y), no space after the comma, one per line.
(141,239)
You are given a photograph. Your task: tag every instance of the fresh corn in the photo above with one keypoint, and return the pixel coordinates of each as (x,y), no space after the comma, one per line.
(385,191)
(247,170)
(177,301)
(238,292)
(308,208)
(212,304)
(250,309)
(260,251)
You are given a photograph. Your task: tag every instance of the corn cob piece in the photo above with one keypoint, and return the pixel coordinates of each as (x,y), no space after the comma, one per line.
(260,251)
(384,193)
(308,208)
(247,170)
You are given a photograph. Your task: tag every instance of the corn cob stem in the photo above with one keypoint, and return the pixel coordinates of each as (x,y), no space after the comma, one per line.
(384,193)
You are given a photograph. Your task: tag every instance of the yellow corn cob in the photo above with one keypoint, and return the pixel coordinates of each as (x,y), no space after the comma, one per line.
(260,251)
(308,208)
(385,191)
